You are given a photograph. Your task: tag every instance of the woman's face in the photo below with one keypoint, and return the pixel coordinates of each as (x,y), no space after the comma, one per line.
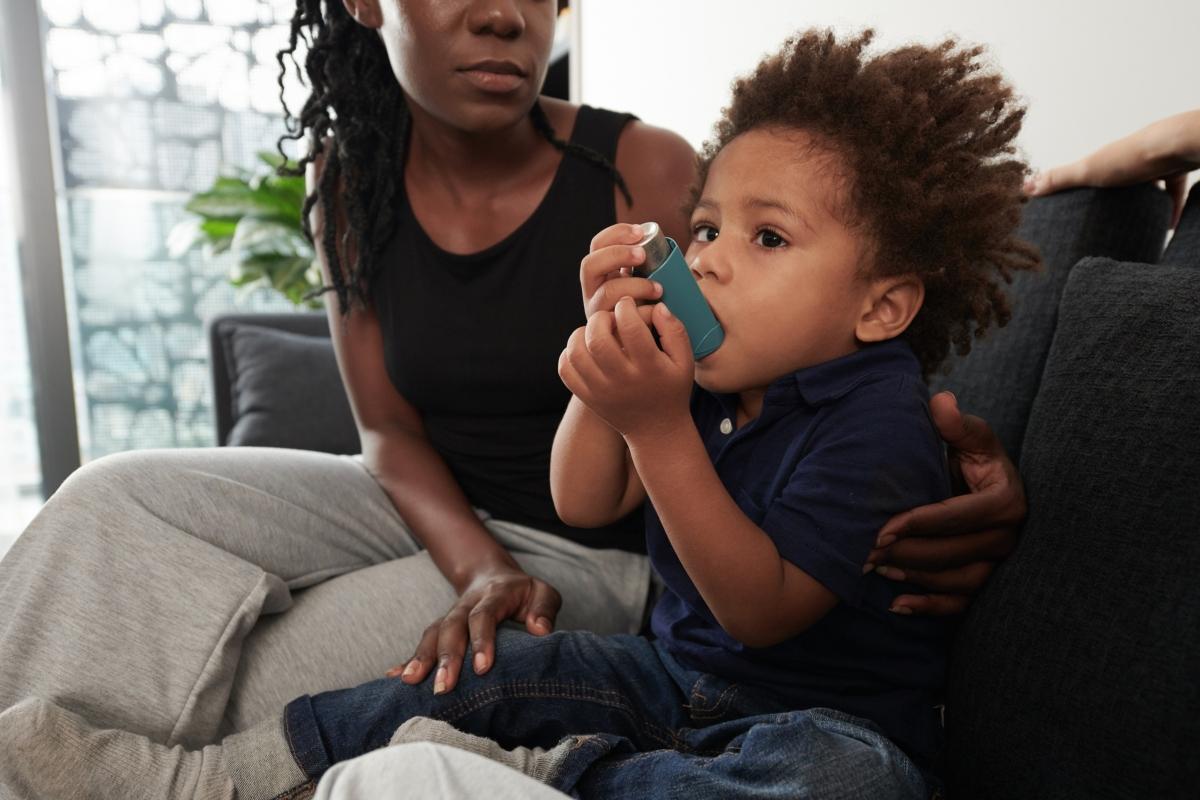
(476,65)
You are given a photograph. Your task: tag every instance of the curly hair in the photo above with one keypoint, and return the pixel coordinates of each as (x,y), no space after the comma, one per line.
(357,111)
(924,140)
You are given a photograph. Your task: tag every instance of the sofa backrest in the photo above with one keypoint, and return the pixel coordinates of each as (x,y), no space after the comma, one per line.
(1076,673)
(997,380)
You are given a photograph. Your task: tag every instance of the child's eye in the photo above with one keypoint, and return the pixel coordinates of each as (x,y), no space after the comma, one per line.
(769,239)
(704,233)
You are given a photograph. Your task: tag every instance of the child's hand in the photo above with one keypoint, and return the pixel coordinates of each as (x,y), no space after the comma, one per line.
(605,274)
(616,370)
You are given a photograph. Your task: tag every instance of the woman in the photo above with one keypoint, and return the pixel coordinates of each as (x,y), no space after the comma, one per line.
(182,594)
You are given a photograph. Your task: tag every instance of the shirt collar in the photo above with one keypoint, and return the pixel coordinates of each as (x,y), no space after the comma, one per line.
(830,380)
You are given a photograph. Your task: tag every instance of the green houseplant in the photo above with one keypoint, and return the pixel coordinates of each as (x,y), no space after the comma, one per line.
(255,215)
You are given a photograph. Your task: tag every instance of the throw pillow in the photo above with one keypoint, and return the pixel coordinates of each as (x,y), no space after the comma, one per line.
(287,392)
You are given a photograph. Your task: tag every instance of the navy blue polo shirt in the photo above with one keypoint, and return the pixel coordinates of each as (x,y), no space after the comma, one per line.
(837,449)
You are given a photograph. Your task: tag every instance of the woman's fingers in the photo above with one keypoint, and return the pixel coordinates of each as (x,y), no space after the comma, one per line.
(930,605)
(965,580)
(964,513)
(451,650)
(1176,186)
(541,609)
(422,661)
(481,623)
(946,552)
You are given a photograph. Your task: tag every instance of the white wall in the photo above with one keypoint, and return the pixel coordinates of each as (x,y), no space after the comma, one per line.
(1090,72)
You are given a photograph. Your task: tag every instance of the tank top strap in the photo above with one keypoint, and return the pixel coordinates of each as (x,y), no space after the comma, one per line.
(599,129)
(583,181)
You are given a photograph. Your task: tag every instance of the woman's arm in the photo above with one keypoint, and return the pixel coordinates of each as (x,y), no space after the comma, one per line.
(1164,150)
(398,454)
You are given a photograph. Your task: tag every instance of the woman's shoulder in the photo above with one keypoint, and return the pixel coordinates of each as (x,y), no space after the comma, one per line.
(657,164)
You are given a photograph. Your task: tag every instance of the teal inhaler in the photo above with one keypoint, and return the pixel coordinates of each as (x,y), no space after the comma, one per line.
(665,265)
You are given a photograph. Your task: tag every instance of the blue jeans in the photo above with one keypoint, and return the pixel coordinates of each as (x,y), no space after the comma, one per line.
(645,726)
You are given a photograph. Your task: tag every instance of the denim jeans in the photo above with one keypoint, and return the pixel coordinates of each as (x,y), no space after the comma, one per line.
(643,725)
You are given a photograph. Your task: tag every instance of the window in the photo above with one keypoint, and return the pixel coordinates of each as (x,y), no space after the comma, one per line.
(153,98)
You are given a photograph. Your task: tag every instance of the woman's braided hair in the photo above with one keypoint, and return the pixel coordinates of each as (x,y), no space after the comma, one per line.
(357,117)
(924,137)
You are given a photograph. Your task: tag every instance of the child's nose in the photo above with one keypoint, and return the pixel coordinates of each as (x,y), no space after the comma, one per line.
(710,265)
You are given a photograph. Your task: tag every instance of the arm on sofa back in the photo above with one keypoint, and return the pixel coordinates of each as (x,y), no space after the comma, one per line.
(275,383)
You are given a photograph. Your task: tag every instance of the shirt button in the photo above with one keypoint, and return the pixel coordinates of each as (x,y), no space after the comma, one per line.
(726,426)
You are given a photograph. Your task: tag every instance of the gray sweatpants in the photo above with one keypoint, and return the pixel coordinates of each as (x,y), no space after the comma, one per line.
(187,594)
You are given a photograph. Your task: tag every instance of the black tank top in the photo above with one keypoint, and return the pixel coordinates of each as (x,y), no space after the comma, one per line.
(472,341)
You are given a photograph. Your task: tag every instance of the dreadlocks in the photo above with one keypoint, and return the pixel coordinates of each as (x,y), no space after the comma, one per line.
(357,112)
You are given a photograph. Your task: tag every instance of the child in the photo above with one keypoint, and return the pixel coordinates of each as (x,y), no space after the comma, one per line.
(852,219)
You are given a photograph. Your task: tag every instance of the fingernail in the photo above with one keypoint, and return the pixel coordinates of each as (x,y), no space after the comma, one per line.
(439,682)
(480,662)
(643,229)
(658,289)
(638,252)
(411,669)
(902,610)
(543,623)
(666,310)
(885,540)
(868,567)
(393,672)
(891,573)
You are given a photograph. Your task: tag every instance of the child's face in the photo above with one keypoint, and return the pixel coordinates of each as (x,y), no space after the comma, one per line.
(780,271)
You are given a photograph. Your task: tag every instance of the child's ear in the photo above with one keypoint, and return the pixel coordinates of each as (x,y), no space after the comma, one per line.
(365,12)
(889,308)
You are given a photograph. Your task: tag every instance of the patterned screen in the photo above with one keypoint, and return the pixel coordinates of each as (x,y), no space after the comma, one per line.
(153,98)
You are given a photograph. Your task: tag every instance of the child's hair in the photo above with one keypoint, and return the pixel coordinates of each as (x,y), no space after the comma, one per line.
(924,139)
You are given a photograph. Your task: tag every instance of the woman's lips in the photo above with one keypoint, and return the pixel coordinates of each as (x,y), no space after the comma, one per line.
(499,77)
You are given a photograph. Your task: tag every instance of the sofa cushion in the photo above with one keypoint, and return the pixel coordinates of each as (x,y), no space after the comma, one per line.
(286,391)
(998,378)
(1076,673)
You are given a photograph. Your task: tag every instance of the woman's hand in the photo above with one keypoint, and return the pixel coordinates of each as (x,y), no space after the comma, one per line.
(615,369)
(1165,150)
(492,597)
(952,547)
(606,273)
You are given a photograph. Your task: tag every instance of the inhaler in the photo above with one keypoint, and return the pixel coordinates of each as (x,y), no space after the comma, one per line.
(665,265)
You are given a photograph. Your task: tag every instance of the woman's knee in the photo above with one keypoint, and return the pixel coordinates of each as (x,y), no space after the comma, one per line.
(110,478)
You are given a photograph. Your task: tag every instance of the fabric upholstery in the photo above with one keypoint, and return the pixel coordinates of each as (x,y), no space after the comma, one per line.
(999,377)
(286,392)
(1076,673)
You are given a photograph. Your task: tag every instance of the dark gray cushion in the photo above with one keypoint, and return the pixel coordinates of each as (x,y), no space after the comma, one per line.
(1076,673)
(286,392)
(998,378)
(1184,247)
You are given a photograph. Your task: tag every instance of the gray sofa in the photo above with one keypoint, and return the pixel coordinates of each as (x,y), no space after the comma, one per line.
(1076,672)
